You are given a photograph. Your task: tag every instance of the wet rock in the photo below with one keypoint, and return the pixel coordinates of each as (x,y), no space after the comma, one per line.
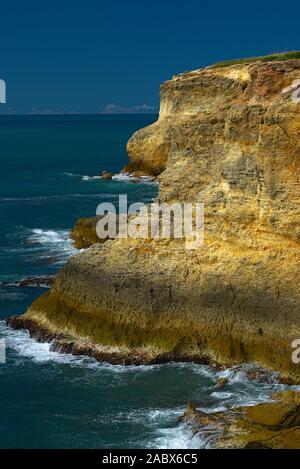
(220,383)
(255,373)
(269,425)
(40,333)
(275,415)
(84,233)
(106,175)
(64,342)
(260,375)
(44,282)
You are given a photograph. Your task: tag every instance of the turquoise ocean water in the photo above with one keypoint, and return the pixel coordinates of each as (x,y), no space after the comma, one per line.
(49,400)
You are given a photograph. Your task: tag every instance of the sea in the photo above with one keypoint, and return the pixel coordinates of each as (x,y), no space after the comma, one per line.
(50,167)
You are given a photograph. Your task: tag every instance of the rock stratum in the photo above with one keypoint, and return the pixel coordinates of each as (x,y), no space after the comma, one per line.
(228,137)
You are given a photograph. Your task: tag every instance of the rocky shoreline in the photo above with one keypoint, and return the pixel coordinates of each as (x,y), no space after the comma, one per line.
(43,282)
(270,425)
(229,138)
(66,343)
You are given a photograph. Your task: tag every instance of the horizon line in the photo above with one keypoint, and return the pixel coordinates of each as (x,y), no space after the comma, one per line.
(81,114)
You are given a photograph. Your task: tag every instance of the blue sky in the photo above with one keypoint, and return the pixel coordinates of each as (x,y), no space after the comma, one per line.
(90,56)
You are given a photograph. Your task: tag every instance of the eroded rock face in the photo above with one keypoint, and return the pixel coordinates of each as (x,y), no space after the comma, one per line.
(230,138)
(84,233)
(148,151)
(272,425)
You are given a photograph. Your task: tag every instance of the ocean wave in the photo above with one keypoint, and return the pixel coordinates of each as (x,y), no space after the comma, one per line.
(129,177)
(244,393)
(36,247)
(159,428)
(55,244)
(40,352)
(41,282)
(146,417)
(81,177)
(90,178)
(118,177)
(12,295)
(180,437)
(249,372)
(25,346)
(60,197)
(49,236)
(221,395)
(165,431)
(72,175)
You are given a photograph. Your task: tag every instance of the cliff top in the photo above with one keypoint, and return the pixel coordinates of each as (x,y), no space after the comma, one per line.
(282,57)
(265,58)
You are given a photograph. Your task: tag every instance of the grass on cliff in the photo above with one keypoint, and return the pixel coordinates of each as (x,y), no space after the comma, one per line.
(264,58)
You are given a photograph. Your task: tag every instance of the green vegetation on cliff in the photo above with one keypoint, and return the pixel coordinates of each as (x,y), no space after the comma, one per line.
(265,58)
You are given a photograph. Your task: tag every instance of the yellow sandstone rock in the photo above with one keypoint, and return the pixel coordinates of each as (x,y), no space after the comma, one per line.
(230,138)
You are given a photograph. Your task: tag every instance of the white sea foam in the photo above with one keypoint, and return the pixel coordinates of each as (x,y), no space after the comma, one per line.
(26,346)
(57,244)
(129,177)
(49,236)
(221,395)
(72,175)
(37,246)
(90,178)
(25,282)
(245,373)
(165,432)
(81,177)
(250,394)
(179,437)
(119,177)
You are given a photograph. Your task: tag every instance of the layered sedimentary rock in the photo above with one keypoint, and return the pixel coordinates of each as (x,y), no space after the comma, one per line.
(228,137)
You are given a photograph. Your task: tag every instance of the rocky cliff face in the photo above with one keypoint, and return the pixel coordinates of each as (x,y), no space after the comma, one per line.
(230,138)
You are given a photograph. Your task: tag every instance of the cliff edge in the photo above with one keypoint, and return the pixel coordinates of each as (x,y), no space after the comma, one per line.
(228,137)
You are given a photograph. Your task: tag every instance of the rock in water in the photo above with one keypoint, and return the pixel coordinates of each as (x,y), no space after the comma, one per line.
(106,175)
(220,383)
(229,138)
(44,282)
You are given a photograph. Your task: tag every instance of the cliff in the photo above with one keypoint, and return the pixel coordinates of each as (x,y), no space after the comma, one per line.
(228,137)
